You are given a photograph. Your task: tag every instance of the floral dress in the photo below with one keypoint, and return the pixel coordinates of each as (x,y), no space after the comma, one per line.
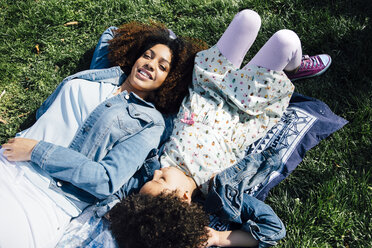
(226,111)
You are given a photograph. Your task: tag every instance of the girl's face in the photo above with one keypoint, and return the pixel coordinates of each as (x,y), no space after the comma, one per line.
(150,70)
(167,179)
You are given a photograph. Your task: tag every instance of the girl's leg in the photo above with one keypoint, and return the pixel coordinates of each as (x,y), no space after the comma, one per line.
(239,36)
(281,52)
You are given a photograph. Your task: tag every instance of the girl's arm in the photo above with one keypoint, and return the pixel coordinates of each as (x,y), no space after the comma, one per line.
(236,238)
(260,220)
(260,226)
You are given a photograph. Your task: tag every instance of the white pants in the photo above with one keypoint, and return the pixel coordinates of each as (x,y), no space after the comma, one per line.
(28,217)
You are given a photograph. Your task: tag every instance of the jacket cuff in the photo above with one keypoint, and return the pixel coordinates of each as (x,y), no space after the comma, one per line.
(264,241)
(41,153)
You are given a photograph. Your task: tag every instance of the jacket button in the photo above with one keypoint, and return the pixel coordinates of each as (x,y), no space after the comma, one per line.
(87,129)
(126,97)
(59,184)
(109,104)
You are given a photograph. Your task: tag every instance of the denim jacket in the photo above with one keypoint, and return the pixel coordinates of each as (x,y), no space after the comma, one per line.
(108,149)
(228,203)
(229,198)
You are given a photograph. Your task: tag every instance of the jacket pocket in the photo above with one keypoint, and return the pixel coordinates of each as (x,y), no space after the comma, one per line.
(135,121)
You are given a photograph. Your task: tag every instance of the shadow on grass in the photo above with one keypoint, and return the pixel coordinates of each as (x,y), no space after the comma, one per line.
(84,61)
(83,64)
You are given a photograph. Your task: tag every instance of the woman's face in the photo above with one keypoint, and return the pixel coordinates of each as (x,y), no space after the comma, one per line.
(151,69)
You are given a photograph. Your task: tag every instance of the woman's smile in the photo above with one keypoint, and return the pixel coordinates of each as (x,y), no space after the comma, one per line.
(144,74)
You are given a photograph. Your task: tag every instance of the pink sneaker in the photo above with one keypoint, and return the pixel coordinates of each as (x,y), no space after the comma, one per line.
(311,66)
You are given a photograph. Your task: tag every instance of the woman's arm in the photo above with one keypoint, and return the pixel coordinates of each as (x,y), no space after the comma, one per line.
(102,178)
(100,58)
(19,149)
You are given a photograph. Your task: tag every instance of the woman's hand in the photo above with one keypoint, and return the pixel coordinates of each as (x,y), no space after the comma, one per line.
(19,149)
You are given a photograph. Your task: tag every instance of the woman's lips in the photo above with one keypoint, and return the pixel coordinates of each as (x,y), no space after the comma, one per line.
(144,73)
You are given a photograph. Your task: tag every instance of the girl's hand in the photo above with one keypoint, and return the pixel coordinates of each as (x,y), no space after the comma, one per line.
(236,238)
(213,237)
(19,149)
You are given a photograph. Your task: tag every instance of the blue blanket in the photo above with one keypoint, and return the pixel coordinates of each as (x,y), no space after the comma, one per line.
(305,123)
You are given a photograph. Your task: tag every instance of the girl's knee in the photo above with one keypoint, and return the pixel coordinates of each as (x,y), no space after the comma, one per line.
(287,38)
(248,20)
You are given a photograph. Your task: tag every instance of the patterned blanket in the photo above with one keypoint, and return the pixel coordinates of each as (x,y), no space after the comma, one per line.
(306,122)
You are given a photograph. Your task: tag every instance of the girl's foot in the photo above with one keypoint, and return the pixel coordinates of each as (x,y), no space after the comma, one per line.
(311,67)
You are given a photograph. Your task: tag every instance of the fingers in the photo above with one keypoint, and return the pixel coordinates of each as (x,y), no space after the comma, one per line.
(8,150)
(19,149)
(8,154)
(209,230)
(11,140)
(8,145)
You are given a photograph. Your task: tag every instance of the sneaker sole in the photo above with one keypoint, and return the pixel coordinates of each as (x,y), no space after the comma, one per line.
(316,74)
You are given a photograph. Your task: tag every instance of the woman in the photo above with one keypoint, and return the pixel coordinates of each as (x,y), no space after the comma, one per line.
(91,135)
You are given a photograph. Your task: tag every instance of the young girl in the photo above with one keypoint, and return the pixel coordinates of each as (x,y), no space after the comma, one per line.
(227,110)
(92,134)
(230,108)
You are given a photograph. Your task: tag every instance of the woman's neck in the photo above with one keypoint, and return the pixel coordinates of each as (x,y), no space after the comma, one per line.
(129,88)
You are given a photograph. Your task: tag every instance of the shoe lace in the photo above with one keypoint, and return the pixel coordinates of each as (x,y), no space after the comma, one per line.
(310,62)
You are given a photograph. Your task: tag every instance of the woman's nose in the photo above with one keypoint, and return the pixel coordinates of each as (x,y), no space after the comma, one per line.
(150,65)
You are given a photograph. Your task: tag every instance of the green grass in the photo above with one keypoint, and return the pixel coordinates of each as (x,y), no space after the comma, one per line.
(326,201)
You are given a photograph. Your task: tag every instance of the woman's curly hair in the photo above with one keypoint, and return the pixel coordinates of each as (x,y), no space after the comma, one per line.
(163,221)
(133,39)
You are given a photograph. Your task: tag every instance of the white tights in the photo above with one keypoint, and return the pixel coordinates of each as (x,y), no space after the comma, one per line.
(281,52)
